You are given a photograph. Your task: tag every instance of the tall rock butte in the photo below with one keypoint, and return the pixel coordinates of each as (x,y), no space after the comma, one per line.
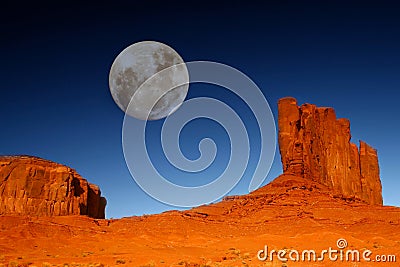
(34,186)
(315,145)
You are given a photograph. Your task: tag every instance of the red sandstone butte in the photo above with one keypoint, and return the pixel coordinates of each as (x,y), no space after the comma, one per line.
(34,186)
(315,145)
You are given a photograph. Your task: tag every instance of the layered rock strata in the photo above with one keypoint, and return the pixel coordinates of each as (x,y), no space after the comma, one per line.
(315,145)
(34,186)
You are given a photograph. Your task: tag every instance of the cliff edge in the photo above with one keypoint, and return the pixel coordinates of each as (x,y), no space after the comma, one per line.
(315,145)
(34,186)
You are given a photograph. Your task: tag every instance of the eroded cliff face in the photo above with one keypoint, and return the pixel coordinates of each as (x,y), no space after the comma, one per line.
(314,144)
(34,186)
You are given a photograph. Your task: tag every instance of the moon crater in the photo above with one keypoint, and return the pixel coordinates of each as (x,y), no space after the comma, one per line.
(148,80)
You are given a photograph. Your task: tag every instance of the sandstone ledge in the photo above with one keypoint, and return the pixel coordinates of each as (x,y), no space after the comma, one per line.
(34,186)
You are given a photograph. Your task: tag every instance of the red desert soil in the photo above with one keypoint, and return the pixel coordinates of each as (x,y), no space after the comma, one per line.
(290,213)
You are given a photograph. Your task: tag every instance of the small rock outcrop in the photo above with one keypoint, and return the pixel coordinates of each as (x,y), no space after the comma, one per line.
(34,186)
(315,145)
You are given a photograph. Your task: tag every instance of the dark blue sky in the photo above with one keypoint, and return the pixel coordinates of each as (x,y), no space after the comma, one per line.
(55,101)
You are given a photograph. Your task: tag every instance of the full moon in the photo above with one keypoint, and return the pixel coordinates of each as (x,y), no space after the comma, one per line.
(148,80)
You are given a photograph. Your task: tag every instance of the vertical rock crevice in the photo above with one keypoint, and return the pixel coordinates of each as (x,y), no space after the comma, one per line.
(38,187)
(315,145)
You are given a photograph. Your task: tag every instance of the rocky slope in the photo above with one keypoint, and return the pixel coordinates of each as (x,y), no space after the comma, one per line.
(290,213)
(314,144)
(34,186)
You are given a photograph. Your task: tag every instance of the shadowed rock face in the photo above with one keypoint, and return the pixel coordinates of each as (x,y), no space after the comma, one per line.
(315,145)
(34,186)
